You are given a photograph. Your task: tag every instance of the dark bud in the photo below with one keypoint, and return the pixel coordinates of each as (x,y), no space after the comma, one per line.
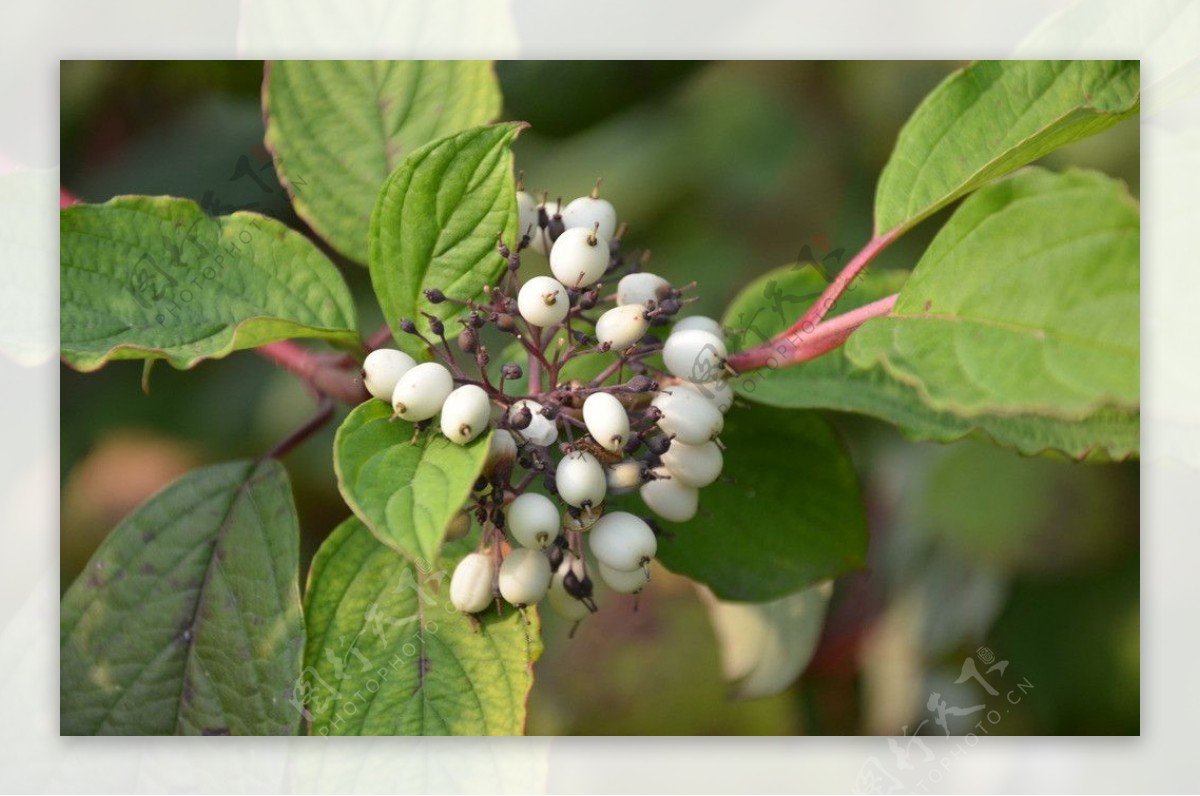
(550,410)
(481,358)
(407,326)
(555,554)
(434,295)
(468,341)
(556,227)
(589,299)
(498,518)
(670,306)
(521,419)
(665,292)
(475,320)
(505,322)
(653,413)
(503,249)
(634,443)
(575,587)
(550,484)
(525,461)
(481,515)
(658,445)
(481,484)
(510,306)
(511,371)
(437,327)
(641,384)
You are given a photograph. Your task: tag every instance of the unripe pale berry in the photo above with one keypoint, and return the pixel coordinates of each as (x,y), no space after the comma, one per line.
(701,322)
(690,417)
(624,582)
(579,257)
(466,413)
(421,391)
(502,453)
(624,477)
(580,480)
(640,288)
(670,499)
(694,355)
(606,420)
(471,583)
(382,368)
(524,576)
(693,465)
(562,603)
(543,301)
(622,326)
(541,430)
(622,541)
(459,527)
(527,215)
(539,239)
(718,392)
(533,520)
(587,212)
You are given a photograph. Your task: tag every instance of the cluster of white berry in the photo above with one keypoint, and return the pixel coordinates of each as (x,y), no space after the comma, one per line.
(618,435)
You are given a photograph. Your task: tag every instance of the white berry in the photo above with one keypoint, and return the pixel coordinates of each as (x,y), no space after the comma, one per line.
(688,415)
(533,520)
(466,413)
(541,430)
(540,238)
(693,465)
(580,480)
(624,582)
(471,583)
(622,541)
(382,368)
(694,355)
(579,257)
(524,576)
(717,392)
(502,451)
(670,499)
(527,215)
(641,288)
(701,322)
(622,326)
(420,392)
(587,212)
(563,604)
(624,477)
(543,301)
(606,420)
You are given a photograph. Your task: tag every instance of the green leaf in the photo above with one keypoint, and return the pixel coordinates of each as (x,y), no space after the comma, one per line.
(405,491)
(991,118)
(388,654)
(156,278)
(1027,302)
(770,304)
(788,515)
(436,222)
(187,620)
(337,129)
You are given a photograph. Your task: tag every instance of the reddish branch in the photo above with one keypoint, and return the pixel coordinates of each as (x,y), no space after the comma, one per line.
(326,375)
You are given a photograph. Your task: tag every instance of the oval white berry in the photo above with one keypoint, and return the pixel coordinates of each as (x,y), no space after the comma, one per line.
(527,215)
(472,582)
(606,420)
(533,520)
(382,368)
(502,452)
(541,430)
(539,240)
(693,465)
(560,600)
(622,326)
(670,499)
(624,582)
(587,212)
(420,392)
(524,576)
(641,288)
(579,257)
(624,477)
(689,416)
(718,392)
(701,322)
(622,541)
(466,413)
(580,480)
(543,301)
(694,355)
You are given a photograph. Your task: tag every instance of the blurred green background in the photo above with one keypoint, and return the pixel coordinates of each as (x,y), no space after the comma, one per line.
(723,171)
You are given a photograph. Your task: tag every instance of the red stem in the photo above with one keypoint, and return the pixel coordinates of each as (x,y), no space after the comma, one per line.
(325,376)
(838,286)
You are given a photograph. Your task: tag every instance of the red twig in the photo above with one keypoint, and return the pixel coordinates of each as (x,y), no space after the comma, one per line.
(326,376)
